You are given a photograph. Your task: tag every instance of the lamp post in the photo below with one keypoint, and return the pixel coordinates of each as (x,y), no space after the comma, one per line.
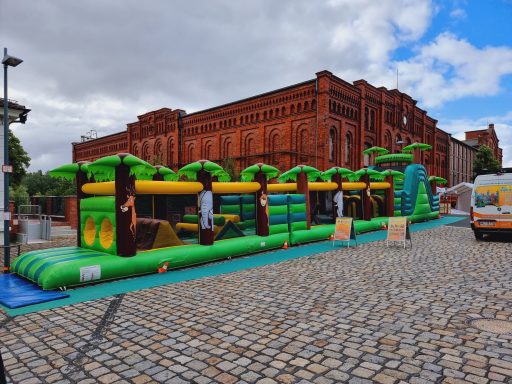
(7,61)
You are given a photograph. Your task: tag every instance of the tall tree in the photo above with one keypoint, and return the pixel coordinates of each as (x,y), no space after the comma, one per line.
(18,158)
(485,161)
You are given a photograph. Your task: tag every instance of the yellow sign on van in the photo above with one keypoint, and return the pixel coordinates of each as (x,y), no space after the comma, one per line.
(497,195)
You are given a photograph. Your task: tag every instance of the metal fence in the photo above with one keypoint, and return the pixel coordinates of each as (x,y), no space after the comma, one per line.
(50,205)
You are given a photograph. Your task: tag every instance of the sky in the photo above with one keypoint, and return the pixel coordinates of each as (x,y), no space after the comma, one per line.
(96,65)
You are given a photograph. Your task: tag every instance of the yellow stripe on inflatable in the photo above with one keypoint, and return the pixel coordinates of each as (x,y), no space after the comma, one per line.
(285,187)
(233,218)
(356,186)
(235,187)
(325,186)
(146,187)
(380,185)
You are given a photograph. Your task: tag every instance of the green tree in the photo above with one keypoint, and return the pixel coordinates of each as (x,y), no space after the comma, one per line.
(485,161)
(19,195)
(42,184)
(18,158)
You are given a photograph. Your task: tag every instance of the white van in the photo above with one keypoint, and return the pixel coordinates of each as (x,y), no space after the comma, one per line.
(491,204)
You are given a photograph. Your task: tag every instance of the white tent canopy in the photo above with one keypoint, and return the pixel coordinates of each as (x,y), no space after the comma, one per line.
(463,192)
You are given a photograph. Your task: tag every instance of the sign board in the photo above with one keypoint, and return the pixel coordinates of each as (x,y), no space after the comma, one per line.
(90,273)
(398,230)
(344,230)
(6,168)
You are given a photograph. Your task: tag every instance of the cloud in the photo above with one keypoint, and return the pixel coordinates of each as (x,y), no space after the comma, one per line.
(458,14)
(502,125)
(88,69)
(450,68)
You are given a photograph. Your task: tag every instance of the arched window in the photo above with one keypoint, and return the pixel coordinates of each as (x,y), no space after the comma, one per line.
(366,123)
(135,150)
(277,112)
(387,141)
(372,120)
(299,107)
(313,104)
(145,152)
(270,114)
(170,152)
(227,146)
(283,111)
(343,110)
(158,152)
(366,158)
(306,106)
(249,149)
(303,144)
(265,115)
(207,151)
(274,146)
(190,153)
(348,148)
(292,108)
(333,146)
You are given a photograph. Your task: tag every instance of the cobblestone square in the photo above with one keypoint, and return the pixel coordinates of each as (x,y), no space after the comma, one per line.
(357,315)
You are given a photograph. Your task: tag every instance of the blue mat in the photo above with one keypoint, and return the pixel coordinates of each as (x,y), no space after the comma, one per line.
(16,292)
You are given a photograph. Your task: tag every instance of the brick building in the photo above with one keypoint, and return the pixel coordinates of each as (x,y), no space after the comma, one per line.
(323,122)
(485,137)
(462,156)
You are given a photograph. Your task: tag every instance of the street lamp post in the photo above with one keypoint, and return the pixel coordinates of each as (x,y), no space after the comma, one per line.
(7,61)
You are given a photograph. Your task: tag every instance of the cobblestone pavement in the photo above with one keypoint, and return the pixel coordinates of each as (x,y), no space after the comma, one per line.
(361,315)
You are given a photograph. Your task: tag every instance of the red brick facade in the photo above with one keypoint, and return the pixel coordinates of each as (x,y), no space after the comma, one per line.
(486,137)
(322,122)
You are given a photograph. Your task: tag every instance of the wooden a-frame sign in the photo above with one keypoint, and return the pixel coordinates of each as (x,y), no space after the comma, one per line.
(398,230)
(344,230)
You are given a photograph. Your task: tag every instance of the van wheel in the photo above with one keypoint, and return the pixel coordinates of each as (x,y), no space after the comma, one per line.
(479,235)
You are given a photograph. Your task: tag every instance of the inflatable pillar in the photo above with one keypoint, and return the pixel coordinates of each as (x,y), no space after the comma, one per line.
(389,196)
(81,179)
(365,198)
(126,218)
(335,211)
(262,218)
(302,187)
(433,187)
(205,209)
(159,201)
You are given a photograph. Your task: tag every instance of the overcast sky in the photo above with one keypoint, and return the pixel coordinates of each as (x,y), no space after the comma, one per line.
(94,64)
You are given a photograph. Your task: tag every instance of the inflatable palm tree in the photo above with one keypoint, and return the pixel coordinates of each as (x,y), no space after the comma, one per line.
(204,171)
(261,173)
(302,174)
(375,150)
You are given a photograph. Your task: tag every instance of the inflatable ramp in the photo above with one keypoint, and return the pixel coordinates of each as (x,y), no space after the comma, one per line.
(16,292)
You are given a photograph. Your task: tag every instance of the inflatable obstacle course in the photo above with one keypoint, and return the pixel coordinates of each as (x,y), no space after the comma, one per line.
(114,243)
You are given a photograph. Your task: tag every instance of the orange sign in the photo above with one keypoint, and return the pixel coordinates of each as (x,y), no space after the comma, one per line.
(343,228)
(397,228)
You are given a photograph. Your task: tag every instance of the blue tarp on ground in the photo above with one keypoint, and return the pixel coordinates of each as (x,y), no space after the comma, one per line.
(16,292)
